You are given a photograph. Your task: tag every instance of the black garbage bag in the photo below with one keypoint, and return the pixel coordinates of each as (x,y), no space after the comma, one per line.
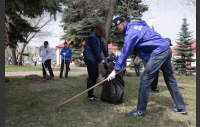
(113,90)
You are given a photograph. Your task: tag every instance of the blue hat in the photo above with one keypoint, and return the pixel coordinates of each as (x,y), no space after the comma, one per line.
(168,39)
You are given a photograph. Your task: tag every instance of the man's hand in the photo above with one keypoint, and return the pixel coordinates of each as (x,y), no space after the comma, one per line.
(64,54)
(111,76)
(103,61)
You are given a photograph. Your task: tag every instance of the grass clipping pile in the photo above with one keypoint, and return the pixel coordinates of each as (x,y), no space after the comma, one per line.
(37,78)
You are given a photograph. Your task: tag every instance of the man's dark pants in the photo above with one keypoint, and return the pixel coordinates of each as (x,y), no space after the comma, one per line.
(67,68)
(163,61)
(93,74)
(47,64)
(137,70)
(154,84)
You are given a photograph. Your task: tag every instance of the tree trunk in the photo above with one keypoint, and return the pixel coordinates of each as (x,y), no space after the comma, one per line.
(109,17)
(108,22)
(22,51)
(14,56)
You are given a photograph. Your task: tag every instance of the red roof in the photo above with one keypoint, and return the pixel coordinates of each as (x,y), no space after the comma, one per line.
(62,44)
(193,45)
(111,46)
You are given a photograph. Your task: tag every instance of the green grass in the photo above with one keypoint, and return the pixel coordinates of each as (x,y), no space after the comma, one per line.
(21,68)
(38,68)
(30,103)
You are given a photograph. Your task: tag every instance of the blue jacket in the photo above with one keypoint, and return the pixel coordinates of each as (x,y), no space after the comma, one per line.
(93,47)
(114,59)
(68,54)
(141,39)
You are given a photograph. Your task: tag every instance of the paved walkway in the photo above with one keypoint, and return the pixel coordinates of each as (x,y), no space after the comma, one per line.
(36,72)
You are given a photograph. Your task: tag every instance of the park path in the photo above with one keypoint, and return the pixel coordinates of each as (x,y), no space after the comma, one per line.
(25,73)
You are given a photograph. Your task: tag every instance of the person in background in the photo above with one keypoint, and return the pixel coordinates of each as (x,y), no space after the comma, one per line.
(137,63)
(154,85)
(66,53)
(45,53)
(9,61)
(35,62)
(114,59)
(94,45)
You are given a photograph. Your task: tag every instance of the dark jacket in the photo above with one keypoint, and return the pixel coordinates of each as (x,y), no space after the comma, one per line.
(93,47)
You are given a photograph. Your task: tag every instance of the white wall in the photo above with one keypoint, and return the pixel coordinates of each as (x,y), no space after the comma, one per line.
(193,64)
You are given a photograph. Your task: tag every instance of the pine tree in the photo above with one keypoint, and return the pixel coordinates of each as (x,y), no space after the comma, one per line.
(184,49)
(77,56)
(80,18)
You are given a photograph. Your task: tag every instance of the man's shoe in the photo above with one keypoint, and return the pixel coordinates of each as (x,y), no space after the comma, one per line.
(156,90)
(44,77)
(176,110)
(135,112)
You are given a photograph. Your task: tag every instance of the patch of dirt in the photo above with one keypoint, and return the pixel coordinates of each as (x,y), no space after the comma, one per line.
(84,75)
(28,65)
(36,78)
(120,110)
(153,109)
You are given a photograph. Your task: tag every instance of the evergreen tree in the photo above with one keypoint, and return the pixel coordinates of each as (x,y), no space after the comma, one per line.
(80,18)
(184,50)
(77,55)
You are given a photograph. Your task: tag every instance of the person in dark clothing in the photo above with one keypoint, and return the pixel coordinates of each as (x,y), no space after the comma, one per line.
(92,56)
(154,85)
(45,52)
(67,53)
(137,62)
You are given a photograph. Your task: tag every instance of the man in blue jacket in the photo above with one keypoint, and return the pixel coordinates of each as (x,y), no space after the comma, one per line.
(155,51)
(67,53)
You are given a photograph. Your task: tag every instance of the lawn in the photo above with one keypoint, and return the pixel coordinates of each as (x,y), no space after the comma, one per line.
(38,68)
(31,103)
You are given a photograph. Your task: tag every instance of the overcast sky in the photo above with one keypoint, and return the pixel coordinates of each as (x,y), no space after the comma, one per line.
(165,15)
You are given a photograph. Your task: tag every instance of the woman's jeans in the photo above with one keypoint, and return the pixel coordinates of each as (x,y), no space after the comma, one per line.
(163,61)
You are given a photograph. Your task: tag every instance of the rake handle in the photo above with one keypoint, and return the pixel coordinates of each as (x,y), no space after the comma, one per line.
(95,85)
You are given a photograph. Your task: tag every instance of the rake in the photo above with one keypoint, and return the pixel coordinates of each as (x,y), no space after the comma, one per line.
(59,107)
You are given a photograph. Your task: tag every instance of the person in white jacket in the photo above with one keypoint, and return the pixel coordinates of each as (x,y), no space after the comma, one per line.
(45,53)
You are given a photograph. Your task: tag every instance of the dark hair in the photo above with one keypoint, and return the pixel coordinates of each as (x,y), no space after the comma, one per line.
(100,31)
(46,42)
(112,54)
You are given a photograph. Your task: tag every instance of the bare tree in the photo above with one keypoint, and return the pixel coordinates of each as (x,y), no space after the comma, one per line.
(40,23)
